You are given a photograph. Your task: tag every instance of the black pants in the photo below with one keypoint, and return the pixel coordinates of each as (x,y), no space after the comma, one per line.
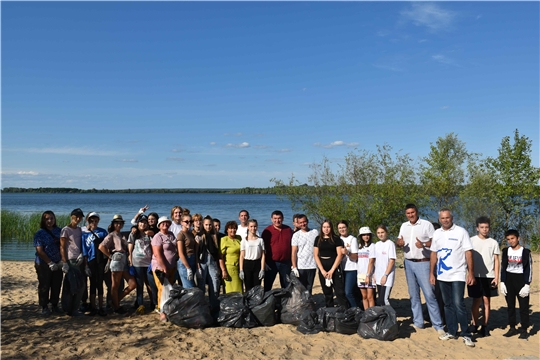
(251,273)
(338,285)
(49,284)
(514,283)
(307,278)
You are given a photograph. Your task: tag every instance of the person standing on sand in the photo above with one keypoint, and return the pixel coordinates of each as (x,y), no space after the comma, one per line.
(230,251)
(48,263)
(252,257)
(72,257)
(451,253)
(304,266)
(277,243)
(176,216)
(415,238)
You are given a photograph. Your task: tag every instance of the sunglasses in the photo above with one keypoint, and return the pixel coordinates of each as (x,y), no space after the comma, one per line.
(187,222)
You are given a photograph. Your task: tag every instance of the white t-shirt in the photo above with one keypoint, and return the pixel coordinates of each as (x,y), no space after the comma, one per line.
(305,241)
(364,254)
(450,246)
(175,229)
(384,251)
(515,261)
(242,231)
(351,244)
(253,248)
(423,230)
(484,251)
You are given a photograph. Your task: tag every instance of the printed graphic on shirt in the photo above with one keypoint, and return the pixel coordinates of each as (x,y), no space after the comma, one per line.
(514,262)
(442,267)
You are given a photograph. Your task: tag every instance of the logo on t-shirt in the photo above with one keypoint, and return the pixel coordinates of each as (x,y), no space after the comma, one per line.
(444,254)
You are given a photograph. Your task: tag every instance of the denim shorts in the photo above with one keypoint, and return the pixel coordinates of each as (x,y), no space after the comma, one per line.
(119,262)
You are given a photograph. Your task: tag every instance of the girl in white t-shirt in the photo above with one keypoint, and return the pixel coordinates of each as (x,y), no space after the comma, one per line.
(385,265)
(252,257)
(348,263)
(365,264)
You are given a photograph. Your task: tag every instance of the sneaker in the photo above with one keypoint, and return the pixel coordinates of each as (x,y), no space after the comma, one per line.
(156,310)
(524,335)
(511,332)
(468,341)
(85,307)
(57,310)
(141,310)
(441,332)
(45,311)
(120,311)
(446,336)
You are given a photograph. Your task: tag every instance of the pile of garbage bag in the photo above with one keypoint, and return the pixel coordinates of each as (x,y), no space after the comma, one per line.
(187,308)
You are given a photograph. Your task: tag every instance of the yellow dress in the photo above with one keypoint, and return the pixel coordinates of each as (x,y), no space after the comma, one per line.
(230,249)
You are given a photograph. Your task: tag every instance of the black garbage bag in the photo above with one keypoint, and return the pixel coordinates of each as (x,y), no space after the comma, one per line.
(309,323)
(347,321)
(188,308)
(254,296)
(265,312)
(327,318)
(379,322)
(295,302)
(231,310)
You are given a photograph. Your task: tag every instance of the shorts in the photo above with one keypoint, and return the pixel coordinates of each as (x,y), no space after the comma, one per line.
(482,288)
(119,262)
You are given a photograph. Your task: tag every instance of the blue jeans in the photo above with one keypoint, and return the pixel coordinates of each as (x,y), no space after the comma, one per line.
(141,276)
(454,306)
(351,288)
(182,271)
(417,274)
(283,268)
(210,276)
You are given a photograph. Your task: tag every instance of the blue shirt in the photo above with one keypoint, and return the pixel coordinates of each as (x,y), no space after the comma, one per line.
(88,239)
(50,244)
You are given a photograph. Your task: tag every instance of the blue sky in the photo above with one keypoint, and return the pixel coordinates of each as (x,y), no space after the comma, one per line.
(224,95)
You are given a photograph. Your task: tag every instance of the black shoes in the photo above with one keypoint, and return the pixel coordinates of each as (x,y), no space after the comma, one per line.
(120,311)
(511,332)
(524,334)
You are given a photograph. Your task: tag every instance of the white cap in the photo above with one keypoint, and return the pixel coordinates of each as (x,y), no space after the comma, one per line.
(364,230)
(163,219)
(93,214)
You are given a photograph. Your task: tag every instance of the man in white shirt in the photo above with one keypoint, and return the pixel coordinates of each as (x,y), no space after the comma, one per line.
(452,256)
(303,262)
(415,238)
(243,216)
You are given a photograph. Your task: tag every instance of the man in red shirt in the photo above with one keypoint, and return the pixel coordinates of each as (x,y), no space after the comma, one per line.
(277,244)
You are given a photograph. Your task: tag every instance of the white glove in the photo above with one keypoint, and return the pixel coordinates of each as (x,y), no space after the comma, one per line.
(107,266)
(88,271)
(503,289)
(525,290)
(189,274)
(241,275)
(52,266)
(328,282)
(295,272)
(57,266)
(65,268)
(261,274)
(199,274)
(80,260)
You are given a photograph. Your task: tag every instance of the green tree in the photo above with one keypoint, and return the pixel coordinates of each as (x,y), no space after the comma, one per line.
(516,181)
(367,189)
(442,174)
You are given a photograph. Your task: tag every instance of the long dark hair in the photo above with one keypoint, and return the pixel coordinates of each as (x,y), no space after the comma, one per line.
(362,243)
(42,223)
(333,235)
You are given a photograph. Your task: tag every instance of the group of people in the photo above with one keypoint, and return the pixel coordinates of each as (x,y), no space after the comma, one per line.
(355,272)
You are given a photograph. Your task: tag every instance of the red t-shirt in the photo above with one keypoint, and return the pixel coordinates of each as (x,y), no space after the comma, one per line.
(277,243)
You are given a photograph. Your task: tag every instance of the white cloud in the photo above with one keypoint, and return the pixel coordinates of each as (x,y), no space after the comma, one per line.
(213,143)
(177,150)
(241,145)
(33,173)
(444,107)
(422,41)
(335,144)
(175,159)
(430,15)
(238,134)
(284,150)
(128,160)
(260,146)
(443,59)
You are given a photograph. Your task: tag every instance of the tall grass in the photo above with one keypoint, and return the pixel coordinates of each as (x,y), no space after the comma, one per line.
(22,227)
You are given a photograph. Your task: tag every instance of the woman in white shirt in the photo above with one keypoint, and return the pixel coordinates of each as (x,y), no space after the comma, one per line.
(252,257)
(349,264)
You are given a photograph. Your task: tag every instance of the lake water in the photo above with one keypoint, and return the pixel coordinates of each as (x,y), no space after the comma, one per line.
(225,207)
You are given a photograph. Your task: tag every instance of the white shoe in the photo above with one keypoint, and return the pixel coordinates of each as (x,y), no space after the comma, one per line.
(447,336)
(441,332)
(467,341)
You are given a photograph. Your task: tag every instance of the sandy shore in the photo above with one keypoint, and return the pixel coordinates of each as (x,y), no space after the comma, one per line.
(26,334)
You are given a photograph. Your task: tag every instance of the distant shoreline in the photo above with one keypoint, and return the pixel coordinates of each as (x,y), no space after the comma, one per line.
(246,190)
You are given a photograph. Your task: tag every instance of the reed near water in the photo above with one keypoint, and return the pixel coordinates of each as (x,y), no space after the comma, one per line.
(22,227)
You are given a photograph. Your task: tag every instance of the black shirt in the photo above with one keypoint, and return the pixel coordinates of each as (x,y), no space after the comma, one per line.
(327,247)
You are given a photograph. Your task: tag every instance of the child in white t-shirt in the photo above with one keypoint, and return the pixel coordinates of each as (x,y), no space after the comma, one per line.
(385,265)
(365,265)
